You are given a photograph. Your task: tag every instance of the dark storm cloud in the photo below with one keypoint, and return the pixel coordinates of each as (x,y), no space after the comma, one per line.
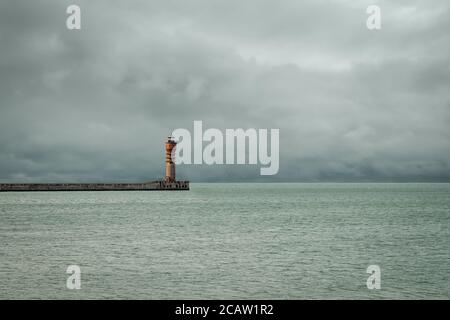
(351,104)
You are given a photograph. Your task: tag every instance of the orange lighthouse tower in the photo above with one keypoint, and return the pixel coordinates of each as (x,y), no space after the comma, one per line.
(170,158)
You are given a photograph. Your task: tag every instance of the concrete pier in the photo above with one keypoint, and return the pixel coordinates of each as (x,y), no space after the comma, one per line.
(146,186)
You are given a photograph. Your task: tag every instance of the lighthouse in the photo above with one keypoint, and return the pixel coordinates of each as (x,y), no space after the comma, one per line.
(170,158)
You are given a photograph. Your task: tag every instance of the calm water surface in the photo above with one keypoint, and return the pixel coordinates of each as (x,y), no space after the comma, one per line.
(229,241)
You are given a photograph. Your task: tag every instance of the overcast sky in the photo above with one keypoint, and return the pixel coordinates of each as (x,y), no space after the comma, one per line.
(351,104)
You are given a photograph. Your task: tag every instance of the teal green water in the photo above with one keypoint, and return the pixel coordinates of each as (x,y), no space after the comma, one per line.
(229,241)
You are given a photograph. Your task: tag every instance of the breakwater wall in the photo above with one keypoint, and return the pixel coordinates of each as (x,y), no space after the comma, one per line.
(146,186)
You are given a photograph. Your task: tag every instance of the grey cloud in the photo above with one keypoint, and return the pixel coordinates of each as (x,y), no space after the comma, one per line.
(351,105)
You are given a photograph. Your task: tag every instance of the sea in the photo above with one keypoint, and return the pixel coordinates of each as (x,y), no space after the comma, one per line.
(229,241)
